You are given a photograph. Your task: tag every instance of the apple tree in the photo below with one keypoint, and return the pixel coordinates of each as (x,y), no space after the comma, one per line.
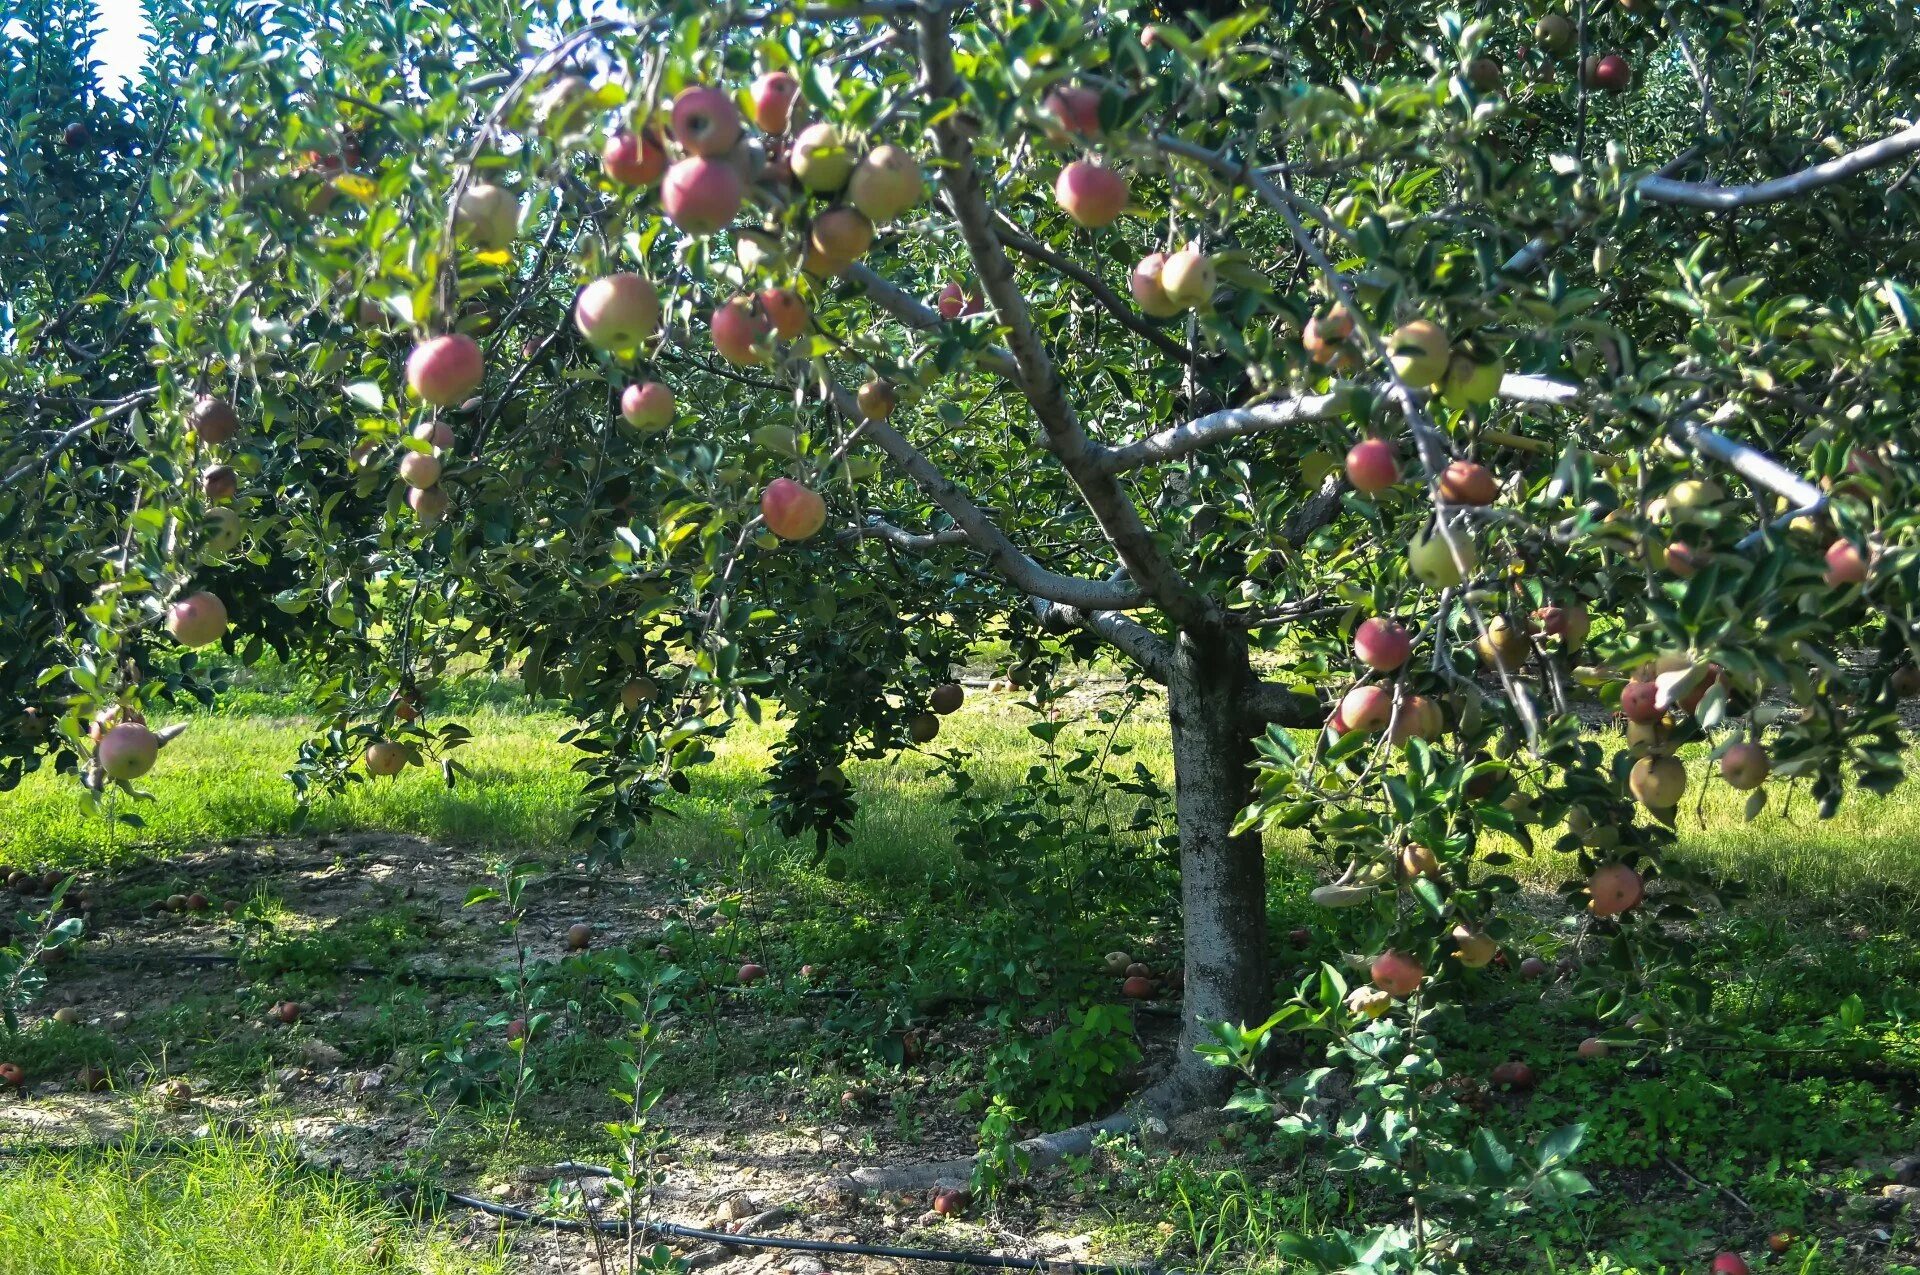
(1404,388)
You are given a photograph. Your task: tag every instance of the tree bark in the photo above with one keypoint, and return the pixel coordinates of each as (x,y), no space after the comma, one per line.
(1223,879)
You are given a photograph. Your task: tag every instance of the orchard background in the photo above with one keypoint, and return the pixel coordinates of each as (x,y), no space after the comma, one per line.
(1247,638)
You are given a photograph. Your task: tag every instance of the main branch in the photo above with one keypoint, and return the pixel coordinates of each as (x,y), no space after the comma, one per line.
(1153,653)
(1144,559)
(985,535)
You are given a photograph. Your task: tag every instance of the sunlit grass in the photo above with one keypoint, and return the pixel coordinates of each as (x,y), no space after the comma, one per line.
(224,1207)
(225,779)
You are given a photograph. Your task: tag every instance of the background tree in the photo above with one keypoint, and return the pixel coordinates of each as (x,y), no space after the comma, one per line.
(1605,316)
(76,225)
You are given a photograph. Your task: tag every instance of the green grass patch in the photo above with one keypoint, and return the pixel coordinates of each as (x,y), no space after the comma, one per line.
(225,779)
(224,1207)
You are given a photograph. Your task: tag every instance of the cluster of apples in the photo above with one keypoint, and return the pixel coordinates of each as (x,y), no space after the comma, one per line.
(1461,373)
(1557,35)
(1137,981)
(1094,194)
(443,371)
(1613,889)
(215,422)
(704,163)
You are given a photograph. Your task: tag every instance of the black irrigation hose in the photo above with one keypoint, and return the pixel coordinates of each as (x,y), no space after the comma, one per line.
(670,1230)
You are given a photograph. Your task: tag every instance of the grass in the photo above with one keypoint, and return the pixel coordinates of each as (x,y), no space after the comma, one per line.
(224,779)
(235,1207)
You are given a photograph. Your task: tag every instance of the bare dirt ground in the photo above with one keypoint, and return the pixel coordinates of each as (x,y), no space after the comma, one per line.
(350,1097)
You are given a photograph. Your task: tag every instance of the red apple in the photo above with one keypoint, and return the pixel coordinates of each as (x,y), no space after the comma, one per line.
(1148,291)
(946,698)
(287,1012)
(1592,1048)
(947,1200)
(127,751)
(435,433)
(384,757)
(1730,1264)
(197,619)
(213,419)
(702,195)
(1466,483)
(841,236)
(751,973)
(429,505)
(516,1031)
(886,184)
(773,95)
(419,469)
(1533,968)
(617,312)
(1569,623)
(1382,644)
(634,159)
(1366,708)
(445,370)
(219,483)
(1137,986)
(647,405)
(1640,702)
(791,511)
(1075,110)
(1611,73)
(1845,564)
(1397,974)
(738,331)
(1513,1075)
(1680,559)
(1092,194)
(1373,465)
(1745,765)
(1613,889)
(12,1074)
(951,302)
(785,310)
(705,121)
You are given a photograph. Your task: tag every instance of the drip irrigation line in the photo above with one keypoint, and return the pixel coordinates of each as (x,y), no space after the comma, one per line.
(671,1230)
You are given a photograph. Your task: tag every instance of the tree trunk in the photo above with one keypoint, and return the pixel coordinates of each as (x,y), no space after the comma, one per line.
(1223,880)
